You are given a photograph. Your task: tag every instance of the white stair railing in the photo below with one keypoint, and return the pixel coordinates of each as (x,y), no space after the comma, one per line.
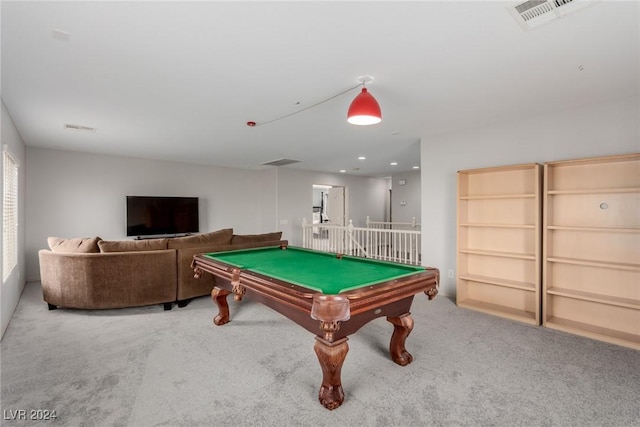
(395,245)
(413,225)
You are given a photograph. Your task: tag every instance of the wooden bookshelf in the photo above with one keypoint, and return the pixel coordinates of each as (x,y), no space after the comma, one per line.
(498,251)
(591,250)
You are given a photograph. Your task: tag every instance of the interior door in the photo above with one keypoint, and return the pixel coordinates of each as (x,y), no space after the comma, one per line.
(335,206)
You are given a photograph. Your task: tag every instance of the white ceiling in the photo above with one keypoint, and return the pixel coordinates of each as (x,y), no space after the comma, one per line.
(179,80)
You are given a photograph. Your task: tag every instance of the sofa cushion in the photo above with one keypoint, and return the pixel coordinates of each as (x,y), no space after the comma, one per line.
(132,245)
(219,237)
(239,239)
(77,245)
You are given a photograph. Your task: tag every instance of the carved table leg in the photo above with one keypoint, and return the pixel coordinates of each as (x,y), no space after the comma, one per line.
(402,327)
(331,356)
(219,296)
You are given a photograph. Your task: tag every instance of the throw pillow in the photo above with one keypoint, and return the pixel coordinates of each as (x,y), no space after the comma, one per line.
(215,238)
(133,245)
(239,239)
(80,245)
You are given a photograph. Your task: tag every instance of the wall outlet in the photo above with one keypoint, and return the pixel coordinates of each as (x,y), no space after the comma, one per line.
(450,274)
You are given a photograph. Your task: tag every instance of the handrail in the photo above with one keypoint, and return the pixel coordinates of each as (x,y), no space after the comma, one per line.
(389,244)
(393,225)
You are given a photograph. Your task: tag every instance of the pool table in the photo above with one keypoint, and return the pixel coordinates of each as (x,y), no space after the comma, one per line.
(331,295)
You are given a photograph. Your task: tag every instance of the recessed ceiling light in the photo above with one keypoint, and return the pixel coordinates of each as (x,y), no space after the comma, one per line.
(343,171)
(416,167)
(362,158)
(394,163)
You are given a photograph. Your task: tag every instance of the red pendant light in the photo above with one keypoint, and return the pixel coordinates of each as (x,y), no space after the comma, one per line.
(364,110)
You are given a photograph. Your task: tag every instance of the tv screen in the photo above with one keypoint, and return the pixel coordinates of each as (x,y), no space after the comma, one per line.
(149,216)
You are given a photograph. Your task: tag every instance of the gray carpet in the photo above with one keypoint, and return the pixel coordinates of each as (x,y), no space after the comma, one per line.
(148,367)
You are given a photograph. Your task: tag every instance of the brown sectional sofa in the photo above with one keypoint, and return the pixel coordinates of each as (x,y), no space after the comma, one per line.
(91,273)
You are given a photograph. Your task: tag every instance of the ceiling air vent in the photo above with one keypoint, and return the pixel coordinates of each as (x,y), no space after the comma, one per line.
(79,128)
(533,13)
(281,162)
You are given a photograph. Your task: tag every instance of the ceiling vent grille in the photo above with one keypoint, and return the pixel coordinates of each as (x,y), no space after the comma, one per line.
(79,128)
(281,162)
(533,13)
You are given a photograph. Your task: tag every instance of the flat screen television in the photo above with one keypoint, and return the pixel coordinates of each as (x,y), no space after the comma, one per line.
(152,216)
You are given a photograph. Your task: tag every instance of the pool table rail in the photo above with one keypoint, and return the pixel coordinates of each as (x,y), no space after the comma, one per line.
(297,303)
(330,317)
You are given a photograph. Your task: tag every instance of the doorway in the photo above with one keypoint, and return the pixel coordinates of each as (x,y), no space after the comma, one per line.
(329,204)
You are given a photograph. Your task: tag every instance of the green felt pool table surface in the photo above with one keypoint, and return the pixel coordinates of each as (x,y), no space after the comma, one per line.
(330,295)
(318,271)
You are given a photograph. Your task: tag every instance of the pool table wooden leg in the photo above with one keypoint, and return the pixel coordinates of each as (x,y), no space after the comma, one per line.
(331,356)
(402,327)
(219,296)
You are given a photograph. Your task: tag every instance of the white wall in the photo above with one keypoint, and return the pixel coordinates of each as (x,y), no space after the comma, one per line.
(409,193)
(13,286)
(365,196)
(269,200)
(606,129)
(72,194)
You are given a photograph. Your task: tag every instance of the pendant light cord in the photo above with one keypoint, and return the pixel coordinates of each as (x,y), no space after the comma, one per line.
(310,106)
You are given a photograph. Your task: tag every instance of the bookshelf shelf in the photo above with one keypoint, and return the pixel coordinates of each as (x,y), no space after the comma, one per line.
(498,259)
(591,252)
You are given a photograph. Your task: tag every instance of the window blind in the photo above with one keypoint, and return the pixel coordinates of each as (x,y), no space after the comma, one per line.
(9,215)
